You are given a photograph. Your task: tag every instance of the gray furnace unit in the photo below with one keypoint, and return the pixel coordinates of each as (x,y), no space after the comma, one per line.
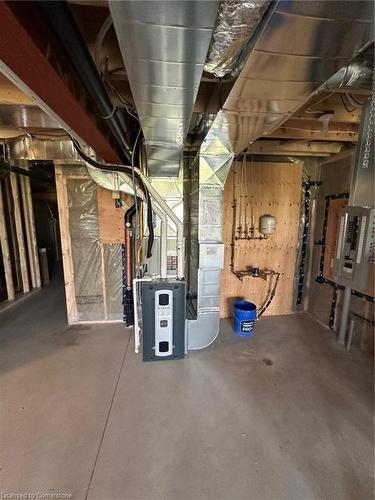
(163,318)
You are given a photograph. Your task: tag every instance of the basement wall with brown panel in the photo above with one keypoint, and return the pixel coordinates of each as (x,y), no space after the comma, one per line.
(257,189)
(322,299)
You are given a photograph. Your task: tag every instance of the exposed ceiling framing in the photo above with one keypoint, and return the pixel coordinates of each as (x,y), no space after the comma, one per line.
(325,125)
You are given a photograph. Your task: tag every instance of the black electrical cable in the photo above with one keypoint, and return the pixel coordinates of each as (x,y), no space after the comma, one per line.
(268,301)
(130,213)
(129,171)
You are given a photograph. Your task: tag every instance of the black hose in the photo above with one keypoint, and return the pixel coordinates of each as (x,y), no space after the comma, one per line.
(126,170)
(61,19)
(129,214)
(268,301)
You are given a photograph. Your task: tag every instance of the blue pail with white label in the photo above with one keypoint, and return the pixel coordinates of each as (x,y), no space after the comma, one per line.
(244,316)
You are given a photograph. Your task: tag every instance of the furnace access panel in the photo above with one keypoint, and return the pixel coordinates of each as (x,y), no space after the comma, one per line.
(163,316)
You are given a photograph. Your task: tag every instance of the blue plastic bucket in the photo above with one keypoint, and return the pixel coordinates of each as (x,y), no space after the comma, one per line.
(244,316)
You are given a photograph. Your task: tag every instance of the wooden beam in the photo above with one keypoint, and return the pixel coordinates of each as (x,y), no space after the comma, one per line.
(5,250)
(24,60)
(295,147)
(295,133)
(339,113)
(315,125)
(19,230)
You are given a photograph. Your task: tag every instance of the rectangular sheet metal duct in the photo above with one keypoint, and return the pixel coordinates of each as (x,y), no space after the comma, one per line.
(300,46)
(164,47)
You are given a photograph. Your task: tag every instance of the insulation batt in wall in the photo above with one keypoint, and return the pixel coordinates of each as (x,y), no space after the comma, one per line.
(92,267)
(262,188)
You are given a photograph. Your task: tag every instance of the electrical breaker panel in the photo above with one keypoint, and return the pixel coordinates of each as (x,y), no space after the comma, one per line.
(354,247)
(163,320)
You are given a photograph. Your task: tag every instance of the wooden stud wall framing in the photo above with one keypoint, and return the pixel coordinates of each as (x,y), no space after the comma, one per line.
(5,250)
(20,235)
(66,244)
(18,217)
(107,210)
(263,188)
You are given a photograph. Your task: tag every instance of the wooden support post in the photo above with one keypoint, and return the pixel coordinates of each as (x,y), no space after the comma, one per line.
(104,284)
(8,208)
(5,250)
(28,231)
(19,229)
(66,248)
(32,232)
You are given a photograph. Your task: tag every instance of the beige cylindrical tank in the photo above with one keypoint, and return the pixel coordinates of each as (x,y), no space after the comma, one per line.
(267,224)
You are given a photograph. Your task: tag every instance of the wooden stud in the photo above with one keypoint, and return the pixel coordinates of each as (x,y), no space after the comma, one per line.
(8,208)
(28,231)
(5,250)
(104,282)
(34,244)
(66,245)
(19,229)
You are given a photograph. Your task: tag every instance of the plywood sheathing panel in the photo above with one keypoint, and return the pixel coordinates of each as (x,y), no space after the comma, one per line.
(111,219)
(270,188)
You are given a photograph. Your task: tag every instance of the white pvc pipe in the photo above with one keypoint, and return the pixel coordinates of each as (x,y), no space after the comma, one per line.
(163,241)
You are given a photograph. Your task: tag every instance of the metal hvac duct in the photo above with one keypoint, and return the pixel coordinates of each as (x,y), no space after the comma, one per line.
(164,47)
(299,47)
(206,246)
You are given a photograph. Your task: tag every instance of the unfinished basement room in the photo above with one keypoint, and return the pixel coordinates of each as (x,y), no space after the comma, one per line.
(187,250)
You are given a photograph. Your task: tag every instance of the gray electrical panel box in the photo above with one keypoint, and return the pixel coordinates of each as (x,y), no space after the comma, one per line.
(163,318)
(354,247)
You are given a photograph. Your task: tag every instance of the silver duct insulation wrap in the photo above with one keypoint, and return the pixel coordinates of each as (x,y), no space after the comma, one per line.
(213,164)
(237,21)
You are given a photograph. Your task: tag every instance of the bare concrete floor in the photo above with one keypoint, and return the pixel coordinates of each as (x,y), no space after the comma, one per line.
(287,414)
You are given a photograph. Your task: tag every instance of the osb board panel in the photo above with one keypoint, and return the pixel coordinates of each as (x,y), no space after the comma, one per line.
(265,188)
(111,219)
(334,209)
